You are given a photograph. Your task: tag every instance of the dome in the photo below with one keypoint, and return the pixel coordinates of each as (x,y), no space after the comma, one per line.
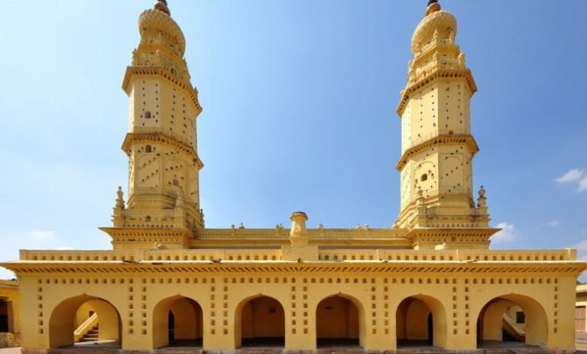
(436,20)
(154,22)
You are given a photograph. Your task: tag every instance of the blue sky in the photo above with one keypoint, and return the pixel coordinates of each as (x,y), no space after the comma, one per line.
(299,105)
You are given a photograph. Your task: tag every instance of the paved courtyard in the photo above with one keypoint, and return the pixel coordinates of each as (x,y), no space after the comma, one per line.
(9,350)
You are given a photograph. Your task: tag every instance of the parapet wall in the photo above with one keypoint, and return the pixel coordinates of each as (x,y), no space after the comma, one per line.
(326,254)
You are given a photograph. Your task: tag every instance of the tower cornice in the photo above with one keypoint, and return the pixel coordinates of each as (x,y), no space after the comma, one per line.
(163,138)
(459,237)
(164,73)
(466,139)
(428,80)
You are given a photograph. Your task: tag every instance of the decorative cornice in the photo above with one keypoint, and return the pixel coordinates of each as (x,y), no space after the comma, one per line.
(159,71)
(162,138)
(439,74)
(461,233)
(8,284)
(145,232)
(346,267)
(441,139)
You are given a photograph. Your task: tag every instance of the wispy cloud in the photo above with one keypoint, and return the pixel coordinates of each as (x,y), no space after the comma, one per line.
(554,223)
(581,246)
(42,234)
(582,185)
(571,176)
(508,233)
(574,176)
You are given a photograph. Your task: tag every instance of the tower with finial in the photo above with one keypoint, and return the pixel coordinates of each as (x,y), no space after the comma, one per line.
(161,143)
(436,165)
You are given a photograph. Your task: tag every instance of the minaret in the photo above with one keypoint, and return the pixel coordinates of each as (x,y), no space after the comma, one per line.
(163,162)
(437,146)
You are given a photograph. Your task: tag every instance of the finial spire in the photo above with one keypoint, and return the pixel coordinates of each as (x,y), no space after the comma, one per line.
(161,5)
(119,198)
(433,6)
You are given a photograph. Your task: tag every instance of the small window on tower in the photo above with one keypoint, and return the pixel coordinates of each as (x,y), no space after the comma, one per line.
(148,148)
(148,115)
(424,177)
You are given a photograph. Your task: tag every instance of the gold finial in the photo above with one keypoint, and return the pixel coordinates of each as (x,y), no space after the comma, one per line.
(433,6)
(161,5)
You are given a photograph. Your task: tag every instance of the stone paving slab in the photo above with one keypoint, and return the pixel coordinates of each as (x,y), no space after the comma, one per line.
(9,350)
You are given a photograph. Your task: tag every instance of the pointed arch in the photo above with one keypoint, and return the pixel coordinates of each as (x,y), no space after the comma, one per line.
(62,320)
(340,320)
(177,320)
(259,318)
(421,318)
(491,319)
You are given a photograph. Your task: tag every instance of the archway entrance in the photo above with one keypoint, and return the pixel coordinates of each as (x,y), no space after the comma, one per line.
(420,322)
(4,326)
(513,321)
(178,322)
(337,323)
(85,321)
(262,323)
(414,324)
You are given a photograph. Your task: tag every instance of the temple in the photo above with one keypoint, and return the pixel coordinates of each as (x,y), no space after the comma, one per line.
(429,281)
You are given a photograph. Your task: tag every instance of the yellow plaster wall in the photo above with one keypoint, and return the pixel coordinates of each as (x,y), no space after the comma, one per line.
(258,321)
(337,317)
(492,322)
(83,313)
(412,320)
(512,313)
(188,319)
(455,303)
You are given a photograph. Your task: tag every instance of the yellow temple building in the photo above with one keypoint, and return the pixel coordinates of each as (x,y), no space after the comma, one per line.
(430,281)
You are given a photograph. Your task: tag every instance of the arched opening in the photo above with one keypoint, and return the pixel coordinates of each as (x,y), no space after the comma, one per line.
(85,321)
(420,322)
(260,323)
(512,320)
(4,318)
(147,115)
(148,148)
(338,323)
(178,322)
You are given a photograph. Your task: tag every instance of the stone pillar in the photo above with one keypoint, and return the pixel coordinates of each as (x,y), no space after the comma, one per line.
(299,249)
(118,210)
(298,235)
(179,211)
(300,341)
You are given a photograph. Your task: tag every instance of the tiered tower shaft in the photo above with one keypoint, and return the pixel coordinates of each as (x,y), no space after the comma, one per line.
(437,146)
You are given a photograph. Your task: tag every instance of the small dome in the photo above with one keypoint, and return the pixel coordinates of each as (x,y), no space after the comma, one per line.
(154,22)
(442,21)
